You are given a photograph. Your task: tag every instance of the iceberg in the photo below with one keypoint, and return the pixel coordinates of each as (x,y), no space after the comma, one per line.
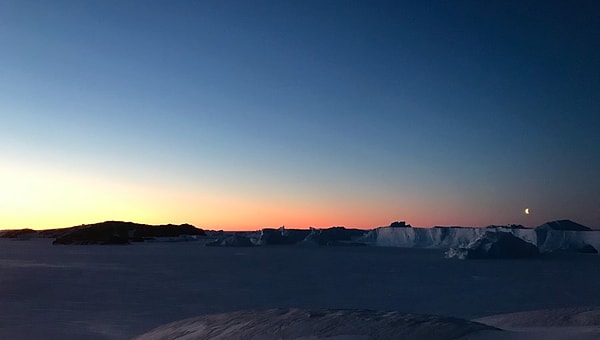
(551,236)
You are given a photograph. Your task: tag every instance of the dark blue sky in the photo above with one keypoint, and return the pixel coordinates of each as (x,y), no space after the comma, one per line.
(261,113)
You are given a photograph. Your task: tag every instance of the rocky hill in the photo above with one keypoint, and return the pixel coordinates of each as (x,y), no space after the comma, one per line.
(117,232)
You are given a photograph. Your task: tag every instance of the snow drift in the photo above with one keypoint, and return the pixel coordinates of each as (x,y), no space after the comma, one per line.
(561,317)
(318,324)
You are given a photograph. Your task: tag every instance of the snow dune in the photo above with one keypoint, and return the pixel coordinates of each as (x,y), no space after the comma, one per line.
(581,323)
(316,324)
(560,317)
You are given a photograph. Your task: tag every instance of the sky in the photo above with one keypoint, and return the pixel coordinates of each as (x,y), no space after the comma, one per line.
(240,115)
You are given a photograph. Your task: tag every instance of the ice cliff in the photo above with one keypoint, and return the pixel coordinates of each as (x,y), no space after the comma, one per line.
(547,237)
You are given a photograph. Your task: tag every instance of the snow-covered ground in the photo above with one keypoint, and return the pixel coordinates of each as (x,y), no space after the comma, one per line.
(305,324)
(352,324)
(117,292)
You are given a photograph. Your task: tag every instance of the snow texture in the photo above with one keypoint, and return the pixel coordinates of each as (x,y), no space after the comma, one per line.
(298,324)
(578,323)
(560,317)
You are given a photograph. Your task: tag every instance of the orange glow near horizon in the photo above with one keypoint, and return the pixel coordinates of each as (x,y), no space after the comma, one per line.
(39,197)
(42,198)
(56,198)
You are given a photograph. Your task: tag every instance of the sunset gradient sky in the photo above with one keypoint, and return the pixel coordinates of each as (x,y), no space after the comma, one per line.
(251,114)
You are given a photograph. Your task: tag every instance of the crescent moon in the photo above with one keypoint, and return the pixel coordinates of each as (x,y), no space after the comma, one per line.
(526,211)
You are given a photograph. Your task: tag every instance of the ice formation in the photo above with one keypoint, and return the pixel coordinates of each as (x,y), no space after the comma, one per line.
(495,245)
(548,237)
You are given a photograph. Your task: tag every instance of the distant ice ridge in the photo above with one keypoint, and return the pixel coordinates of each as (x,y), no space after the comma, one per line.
(547,237)
(569,240)
(438,237)
(551,236)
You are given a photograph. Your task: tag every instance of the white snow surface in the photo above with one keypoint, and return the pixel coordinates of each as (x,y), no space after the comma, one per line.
(559,317)
(452,237)
(296,324)
(581,323)
(120,291)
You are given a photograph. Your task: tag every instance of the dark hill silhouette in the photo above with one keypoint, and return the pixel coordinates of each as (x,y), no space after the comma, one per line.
(117,232)
(18,233)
